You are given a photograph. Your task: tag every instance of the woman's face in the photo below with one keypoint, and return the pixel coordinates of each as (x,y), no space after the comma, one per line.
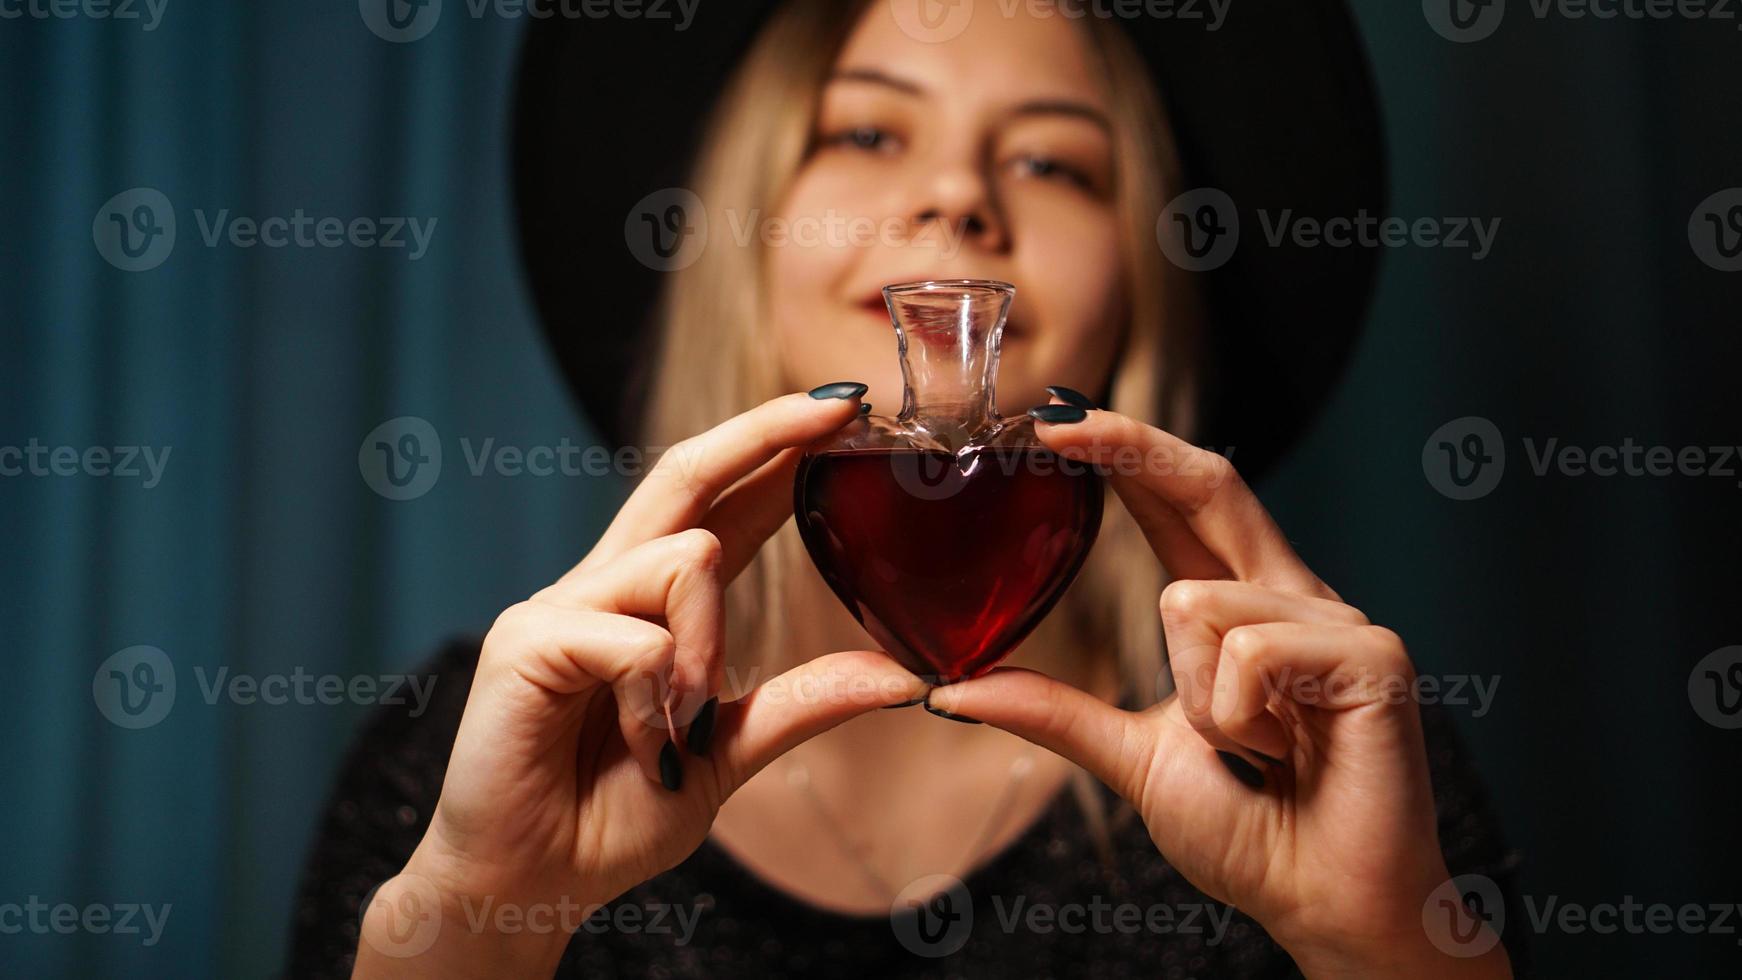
(987,156)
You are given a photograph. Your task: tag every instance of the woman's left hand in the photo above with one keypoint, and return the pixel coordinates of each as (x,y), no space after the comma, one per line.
(1331,843)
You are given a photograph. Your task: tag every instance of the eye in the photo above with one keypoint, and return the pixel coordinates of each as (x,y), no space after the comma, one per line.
(861,138)
(1047,168)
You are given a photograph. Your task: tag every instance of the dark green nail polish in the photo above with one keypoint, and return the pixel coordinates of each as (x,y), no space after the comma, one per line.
(1244,771)
(1273,760)
(1057,414)
(839,389)
(905,704)
(701,733)
(1070,396)
(941,713)
(864,408)
(670,768)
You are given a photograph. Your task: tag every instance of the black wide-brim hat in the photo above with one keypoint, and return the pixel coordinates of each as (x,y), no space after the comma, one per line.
(1275,108)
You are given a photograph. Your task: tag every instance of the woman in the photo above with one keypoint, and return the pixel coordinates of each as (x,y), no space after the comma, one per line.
(737,805)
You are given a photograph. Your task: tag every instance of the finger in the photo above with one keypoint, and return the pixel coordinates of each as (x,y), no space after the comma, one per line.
(566,653)
(1105,740)
(677,579)
(1152,469)
(1308,666)
(1170,536)
(747,515)
(680,488)
(801,704)
(1336,667)
(1196,615)
(1182,555)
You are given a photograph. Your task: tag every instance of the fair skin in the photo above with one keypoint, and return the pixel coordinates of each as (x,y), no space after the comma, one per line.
(553,791)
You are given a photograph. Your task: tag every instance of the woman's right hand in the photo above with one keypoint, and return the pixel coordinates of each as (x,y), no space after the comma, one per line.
(554,800)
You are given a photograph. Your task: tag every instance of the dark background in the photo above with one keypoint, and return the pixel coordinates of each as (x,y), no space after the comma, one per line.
(263,549)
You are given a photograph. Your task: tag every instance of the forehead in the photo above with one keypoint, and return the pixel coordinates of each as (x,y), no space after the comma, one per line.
(1016,56)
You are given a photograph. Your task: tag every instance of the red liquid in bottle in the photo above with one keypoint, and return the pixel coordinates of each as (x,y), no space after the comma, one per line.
(948,568)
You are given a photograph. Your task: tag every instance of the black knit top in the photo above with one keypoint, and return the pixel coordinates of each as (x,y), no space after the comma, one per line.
(1046,906)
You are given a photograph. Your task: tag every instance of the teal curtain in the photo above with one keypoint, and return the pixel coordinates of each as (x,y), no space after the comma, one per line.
(259,371)
(263,549)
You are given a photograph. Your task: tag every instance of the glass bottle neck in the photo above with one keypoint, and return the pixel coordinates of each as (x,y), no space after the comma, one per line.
(949,336)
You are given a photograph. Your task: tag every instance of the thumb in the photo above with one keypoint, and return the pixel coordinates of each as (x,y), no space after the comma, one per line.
(801,704)
(1107,741)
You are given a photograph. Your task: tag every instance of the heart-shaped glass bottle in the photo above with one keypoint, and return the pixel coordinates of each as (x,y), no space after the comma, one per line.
(949,531)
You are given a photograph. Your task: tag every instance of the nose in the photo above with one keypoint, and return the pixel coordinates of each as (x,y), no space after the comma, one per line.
(958,194)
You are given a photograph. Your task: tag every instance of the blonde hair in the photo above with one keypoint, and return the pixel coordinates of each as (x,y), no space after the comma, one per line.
(712,362)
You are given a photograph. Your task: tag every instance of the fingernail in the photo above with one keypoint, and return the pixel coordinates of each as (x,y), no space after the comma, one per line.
(1244,771)
(670,767)
(1070,396)
(864,408)
(839,389)
(951,715)
(905,704)
(1273,760)
(1057,414)
(701,733)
